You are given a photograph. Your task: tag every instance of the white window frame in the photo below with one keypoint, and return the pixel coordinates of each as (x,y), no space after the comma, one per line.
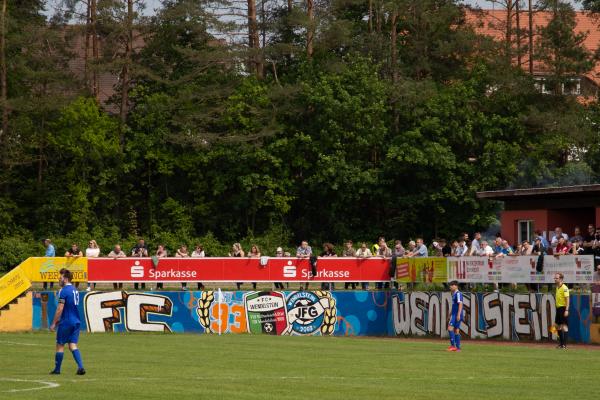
(530,230)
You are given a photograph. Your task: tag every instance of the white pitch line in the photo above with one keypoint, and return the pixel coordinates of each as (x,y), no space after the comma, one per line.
(19,343)
(47,385)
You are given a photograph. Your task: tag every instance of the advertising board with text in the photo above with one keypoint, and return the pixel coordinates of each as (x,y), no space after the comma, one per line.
(216,269)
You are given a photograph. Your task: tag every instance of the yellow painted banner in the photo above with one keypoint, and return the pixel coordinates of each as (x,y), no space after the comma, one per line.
(46,269)
(12,285)
(422,269)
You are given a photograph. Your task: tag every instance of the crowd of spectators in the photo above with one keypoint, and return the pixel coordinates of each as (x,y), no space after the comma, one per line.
(558,243)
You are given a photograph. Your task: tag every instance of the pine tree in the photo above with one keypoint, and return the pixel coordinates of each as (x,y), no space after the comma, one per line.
(559,48)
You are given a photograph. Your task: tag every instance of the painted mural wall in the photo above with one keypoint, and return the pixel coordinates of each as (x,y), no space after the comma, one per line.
(357,313)
(268,312)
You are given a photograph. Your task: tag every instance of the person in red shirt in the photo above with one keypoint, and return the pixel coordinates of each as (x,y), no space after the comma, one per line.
(562,247)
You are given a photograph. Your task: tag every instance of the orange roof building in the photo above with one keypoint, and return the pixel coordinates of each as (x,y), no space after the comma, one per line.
(494,23)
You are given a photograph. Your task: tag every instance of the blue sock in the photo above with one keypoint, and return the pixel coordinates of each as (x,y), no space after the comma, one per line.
(58,357)
(457,340)
(77,357)
(451,333)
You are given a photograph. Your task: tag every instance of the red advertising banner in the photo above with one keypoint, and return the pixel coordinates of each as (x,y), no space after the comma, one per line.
(214,269)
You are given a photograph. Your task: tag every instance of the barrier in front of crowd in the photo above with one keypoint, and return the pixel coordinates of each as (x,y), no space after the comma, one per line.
(509,269)
(227,269)
(46,269)
(511,317)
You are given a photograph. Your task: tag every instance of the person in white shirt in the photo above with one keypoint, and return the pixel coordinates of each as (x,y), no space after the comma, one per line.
(485,250)
(199,253)
(462,249)
(115,253)
(364,252)
(92,251)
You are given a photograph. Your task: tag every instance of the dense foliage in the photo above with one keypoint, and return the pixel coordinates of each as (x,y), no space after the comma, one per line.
(355,119)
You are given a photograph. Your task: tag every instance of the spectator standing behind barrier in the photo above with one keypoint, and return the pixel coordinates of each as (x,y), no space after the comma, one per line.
(420,249)
(462,249)
(517,250)
(506,249)
(92,251)
(596,248)
(364,252)
(74,252)
(254,253)
(454,248)
(498,246)
(558,233)
(199,253)
(437,248)
(538,234)
(140,250)
(538,248)
(562,246)
(182,252)
(412,246)
(237,251)
(576,238)
(576,250)
(465,237)
(115,253)
(475,248)
(50,252)
(526,248)
(304,251)
(446,248)
(328,251)
(486,249)
(349,251)
(398,250)
(161,252)
(385,252)
(588,240)
(279,253)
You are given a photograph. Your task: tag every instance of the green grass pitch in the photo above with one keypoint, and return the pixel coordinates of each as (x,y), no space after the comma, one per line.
(179,366)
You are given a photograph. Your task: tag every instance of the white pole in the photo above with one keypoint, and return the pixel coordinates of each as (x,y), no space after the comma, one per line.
(219,305)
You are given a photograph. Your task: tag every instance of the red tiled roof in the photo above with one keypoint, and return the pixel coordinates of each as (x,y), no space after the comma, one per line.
(493,23)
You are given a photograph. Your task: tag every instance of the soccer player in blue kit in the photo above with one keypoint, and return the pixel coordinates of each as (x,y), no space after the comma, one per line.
(456,317)
(67,319)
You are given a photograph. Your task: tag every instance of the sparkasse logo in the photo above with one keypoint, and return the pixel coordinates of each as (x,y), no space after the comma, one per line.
(137,270)
(289,271)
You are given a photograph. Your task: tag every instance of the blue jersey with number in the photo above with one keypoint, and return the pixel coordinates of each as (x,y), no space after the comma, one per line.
(69,296)
(457,298)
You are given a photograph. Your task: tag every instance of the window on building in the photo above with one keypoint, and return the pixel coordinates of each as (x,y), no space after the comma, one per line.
(525,230)
(572,87)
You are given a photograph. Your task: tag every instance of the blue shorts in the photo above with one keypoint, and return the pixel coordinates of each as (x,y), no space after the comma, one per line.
(455,321)
(67,334)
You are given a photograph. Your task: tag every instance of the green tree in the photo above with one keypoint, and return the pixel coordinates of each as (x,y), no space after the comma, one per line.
(561,49)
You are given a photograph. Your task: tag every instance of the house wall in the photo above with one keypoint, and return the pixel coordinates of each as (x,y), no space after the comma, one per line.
(509,222)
